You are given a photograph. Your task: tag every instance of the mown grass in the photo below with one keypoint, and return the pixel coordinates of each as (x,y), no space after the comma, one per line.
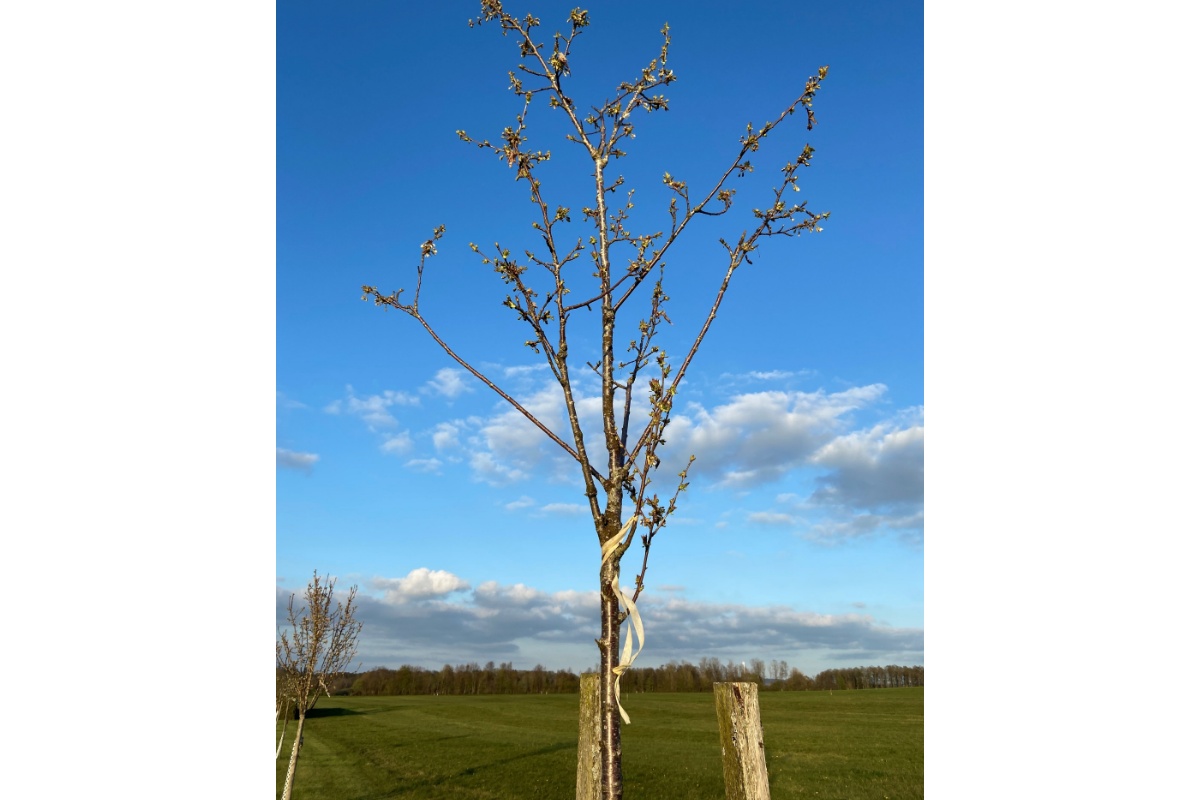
(840,746)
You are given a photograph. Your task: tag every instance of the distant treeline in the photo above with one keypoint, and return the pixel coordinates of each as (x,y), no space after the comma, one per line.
(672,677)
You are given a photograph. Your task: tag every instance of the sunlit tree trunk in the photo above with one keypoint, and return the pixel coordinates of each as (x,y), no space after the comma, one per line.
(291,773)
(612,787)
(287,709)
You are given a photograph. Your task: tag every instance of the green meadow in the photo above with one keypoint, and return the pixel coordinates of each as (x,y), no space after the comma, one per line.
(844,744)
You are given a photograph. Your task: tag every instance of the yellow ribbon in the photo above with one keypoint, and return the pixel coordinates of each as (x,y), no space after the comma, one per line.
(625,602)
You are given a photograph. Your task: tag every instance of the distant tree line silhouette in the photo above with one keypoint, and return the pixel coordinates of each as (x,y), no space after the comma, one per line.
(469,679)
(464,679)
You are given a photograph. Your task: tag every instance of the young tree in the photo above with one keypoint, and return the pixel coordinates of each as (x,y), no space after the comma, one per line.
(545,294)
(321,644)
(283,699)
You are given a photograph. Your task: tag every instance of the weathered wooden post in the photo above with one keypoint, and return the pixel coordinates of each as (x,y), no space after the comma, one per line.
(587,772)
(745,760)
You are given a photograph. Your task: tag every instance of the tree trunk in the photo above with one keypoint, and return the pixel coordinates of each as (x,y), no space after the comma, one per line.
(612,787)
(291,773)
(287,712)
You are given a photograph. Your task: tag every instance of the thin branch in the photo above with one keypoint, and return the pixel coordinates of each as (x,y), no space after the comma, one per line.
(390,300)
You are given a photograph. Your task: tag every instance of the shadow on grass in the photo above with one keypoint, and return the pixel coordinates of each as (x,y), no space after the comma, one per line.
(317,713)
(412,788)
(543,751)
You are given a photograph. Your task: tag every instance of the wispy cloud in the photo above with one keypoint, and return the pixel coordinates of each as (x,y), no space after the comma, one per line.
(487,468)
(763,375)
(524,370)
(283,401)
(505,447)
(289,459)
(373,409)
(770,518)
(521,502)
(836,527)
(564,509)
(449,383)
(398,445)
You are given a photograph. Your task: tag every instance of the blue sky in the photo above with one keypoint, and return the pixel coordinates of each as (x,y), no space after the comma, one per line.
(801,537)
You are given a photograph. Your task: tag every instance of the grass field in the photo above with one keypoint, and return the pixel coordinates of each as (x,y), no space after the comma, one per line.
(850,744)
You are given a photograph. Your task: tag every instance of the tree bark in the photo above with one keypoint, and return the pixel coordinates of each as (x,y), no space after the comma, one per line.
(611,782)
(291,773)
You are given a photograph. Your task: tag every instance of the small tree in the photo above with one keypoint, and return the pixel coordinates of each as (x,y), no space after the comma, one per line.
(623,262)
(283,699)
(321,644)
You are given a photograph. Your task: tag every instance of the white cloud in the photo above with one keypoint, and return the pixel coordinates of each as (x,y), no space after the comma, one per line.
(519,503)
(420,584)
(874,469)
(847,525)
(445,435)
(737,378)
(771,518)
(492,594)
(758,437)
(289,459)
(874,484)
(490,471)
(564,509)
(510,430)
(449,383)
(752,439)
(425,465)
(525,370)
(398,445)
(507,446)
(373,410)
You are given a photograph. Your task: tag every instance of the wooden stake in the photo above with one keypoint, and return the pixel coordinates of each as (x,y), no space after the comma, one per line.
(587,773)
(742,753)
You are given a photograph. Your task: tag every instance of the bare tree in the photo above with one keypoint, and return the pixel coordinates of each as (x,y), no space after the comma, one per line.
(322,643)
(626,266)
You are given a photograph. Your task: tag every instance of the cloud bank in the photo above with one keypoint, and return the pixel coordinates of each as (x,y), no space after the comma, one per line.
(432,617)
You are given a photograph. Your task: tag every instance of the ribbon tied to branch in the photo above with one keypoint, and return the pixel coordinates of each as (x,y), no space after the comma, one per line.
(625,602)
